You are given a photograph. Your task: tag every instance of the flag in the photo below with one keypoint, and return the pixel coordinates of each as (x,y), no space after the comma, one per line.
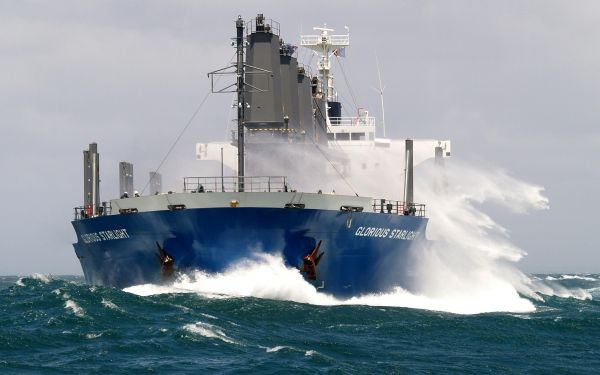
(341,52)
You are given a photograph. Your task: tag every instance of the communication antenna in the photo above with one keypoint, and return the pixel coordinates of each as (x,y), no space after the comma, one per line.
(380,90)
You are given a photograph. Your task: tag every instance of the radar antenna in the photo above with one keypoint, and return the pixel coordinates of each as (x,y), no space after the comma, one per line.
(325,45)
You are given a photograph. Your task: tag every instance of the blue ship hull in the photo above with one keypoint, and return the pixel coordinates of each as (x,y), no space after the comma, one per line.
(122,250)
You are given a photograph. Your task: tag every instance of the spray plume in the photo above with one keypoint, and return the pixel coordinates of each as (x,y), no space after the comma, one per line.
(468,267)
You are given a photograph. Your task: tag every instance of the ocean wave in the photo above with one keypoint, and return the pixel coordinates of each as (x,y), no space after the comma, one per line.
(560,291)
(145,290)
(595,292)
(74,308)
(41,277)
(209,316)
(110,304)
(209,331)
(283,335)
(266,276)
(276,348)
(92,336)
(577,277)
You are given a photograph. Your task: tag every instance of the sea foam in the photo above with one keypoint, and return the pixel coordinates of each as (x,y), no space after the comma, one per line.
(470,266)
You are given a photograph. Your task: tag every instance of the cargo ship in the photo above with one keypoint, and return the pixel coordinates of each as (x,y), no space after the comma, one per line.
(341,243)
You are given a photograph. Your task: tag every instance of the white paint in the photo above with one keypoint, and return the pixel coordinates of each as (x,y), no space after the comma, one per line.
(266,199)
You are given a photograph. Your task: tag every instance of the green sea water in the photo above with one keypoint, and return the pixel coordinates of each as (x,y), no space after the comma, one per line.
(60,325)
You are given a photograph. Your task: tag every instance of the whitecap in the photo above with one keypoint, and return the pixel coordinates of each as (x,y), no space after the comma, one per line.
(579,294)
(209,316)
(208,330)
(19,282)
(594,292)
(74,307)
(310,353)
(110,304)
(145,290)
(521,316)
(276,348)
(557,290)
(41,277)
(183,308)
(93,335)
(577,277)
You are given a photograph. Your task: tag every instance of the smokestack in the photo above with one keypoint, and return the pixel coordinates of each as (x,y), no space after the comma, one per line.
(262,52)
(91,180)
(408,181)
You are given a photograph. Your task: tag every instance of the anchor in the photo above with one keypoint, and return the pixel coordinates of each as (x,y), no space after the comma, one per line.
(167,263)
(310,262)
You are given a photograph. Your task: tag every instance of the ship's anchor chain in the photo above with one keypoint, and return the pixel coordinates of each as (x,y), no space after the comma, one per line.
(167,263)
(310,262)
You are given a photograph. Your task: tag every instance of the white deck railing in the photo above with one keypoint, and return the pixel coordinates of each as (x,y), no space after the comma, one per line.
(336,40)
(352,121)
(230,184)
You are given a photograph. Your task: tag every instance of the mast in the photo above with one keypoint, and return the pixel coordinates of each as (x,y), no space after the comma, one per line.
(325,45)
(239,69)
(239,42)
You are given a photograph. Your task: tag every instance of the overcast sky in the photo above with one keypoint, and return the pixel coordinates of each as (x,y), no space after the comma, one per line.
(512,83)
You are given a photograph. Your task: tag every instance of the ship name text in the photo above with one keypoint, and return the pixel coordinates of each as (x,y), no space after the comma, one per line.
(397,234)
(104,235)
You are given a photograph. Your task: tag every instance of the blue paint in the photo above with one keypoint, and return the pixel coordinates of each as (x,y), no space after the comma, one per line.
(212,239)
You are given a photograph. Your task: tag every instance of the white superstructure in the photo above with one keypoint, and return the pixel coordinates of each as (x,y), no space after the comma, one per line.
(352,136)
